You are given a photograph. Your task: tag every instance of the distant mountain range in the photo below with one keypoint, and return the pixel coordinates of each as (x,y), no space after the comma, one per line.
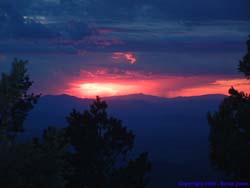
(173,130)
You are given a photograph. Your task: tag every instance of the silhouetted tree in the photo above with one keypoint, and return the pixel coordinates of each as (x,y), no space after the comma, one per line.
(39,163)
(36,163)
(244,65)
(230,130)
(92,151)
(101,145)
(15,101)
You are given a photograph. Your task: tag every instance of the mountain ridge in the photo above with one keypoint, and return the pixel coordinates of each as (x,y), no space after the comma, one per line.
(138,96)
(168,129)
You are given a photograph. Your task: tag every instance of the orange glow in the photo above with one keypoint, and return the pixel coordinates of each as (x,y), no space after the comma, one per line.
(105,89)
(217,87)
(104,82)
(102,89)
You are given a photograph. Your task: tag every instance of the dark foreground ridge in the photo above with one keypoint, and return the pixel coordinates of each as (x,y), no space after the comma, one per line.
(168,128)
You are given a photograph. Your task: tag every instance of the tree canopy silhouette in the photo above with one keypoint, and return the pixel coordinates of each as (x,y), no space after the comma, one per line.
(92,151)
(37,163)
(230,130)
(244,65)
(101,146)
(15,101)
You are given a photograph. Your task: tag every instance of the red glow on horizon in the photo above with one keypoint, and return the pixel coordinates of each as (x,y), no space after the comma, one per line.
(105,83)
(102,89)
(217,87)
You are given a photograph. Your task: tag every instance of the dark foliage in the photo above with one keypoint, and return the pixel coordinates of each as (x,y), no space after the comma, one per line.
(230,130)
(35,164)
(101,145)
(15,101)
(92,151)
(244,65)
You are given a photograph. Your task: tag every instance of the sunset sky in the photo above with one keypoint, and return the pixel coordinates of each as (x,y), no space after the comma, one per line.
(86,48)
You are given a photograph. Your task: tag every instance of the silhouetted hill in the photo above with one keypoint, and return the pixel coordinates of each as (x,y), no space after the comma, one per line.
(136,97)
(174,131)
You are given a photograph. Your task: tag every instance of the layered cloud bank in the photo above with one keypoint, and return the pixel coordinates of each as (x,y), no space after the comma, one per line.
(116,82)
(95,47)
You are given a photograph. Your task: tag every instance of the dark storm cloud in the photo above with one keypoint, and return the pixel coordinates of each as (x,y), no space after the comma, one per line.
(14,5)
(19,28)
(18,19)
(139,9)
(163,9)
(15,24)
(75,30)
(20,33)
(37,47)
(63,28)
(14,27)
(166,37)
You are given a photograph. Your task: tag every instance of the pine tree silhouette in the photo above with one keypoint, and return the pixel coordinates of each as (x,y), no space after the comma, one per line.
(15,101)
(230,130)
(92,151)
(102,145)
